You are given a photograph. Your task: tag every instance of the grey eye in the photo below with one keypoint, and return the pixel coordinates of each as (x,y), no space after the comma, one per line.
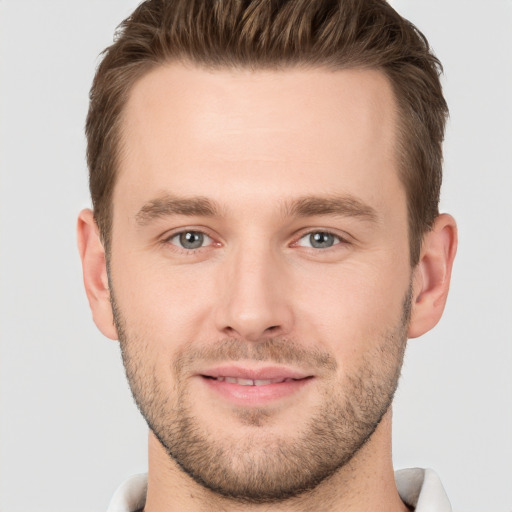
(321,240)
(190,239)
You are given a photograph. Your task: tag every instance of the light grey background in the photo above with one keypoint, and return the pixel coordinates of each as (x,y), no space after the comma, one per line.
(69,432)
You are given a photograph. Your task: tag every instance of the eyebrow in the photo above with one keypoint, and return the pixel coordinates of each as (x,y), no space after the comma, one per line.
(344,206)
(168,205)
(307,206)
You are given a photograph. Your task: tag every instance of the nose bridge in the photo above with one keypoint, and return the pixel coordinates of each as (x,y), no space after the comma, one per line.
(254,302)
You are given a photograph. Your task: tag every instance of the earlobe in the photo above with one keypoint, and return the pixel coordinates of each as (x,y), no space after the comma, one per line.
(432,275)
(95,277)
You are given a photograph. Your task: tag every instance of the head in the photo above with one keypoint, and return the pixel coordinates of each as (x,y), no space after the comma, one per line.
(265,237)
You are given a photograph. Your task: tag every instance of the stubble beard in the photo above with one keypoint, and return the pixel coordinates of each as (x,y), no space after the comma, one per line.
(259,467)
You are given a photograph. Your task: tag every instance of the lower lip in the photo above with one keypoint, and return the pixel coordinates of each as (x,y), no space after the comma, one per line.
(255,395)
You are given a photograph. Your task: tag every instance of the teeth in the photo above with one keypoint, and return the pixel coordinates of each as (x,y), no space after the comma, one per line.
(262,382)
(251,382)
(245,382)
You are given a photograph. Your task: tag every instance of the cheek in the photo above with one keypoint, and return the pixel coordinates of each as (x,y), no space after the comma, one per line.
(163,303)
(350,309)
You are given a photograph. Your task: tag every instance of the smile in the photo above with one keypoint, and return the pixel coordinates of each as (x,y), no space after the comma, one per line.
(251,382)
(245,386)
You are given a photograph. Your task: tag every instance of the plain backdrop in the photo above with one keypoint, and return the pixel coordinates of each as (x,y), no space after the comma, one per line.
(69,431)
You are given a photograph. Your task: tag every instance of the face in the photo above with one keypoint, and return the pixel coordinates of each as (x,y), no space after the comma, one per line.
(260,270)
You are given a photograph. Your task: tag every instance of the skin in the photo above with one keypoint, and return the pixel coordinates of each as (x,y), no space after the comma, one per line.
(253,143)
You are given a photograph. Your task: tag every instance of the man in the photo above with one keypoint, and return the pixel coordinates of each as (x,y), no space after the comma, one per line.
(265,237)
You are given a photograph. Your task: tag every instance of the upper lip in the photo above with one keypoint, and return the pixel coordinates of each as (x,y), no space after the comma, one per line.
(264,373)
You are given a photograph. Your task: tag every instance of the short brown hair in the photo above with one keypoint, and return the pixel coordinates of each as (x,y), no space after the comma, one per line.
(262,34)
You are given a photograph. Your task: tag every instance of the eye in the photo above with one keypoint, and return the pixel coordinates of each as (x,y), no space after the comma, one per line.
(190,240)
(319,240)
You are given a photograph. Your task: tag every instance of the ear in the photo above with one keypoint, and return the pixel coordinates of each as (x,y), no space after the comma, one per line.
(431,278)
(94,267)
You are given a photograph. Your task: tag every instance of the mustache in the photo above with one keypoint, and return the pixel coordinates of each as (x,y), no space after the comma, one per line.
(270,350)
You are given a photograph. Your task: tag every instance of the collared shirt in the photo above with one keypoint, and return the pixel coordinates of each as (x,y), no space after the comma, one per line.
(420,489)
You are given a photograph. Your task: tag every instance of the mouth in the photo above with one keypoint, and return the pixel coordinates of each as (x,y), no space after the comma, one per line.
(251,382)
(249,386)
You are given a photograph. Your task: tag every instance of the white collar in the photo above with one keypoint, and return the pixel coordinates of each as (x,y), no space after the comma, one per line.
(422,490)
(418,488)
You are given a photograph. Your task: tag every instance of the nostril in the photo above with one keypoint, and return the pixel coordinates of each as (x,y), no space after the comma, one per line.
(272,330)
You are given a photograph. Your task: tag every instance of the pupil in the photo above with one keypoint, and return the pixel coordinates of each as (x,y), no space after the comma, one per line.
(191,240)
(321,240)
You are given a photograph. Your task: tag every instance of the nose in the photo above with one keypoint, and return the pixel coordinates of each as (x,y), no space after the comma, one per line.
(254,303)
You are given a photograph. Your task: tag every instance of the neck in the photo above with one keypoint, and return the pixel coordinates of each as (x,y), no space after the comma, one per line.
(365,483)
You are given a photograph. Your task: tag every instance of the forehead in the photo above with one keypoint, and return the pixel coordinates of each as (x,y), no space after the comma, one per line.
(195,130)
